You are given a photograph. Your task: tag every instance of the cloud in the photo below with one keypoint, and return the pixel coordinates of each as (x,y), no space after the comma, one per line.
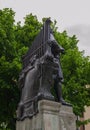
(82,33)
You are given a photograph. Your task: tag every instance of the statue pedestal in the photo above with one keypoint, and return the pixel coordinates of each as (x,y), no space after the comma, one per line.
(51,116)
(67,118)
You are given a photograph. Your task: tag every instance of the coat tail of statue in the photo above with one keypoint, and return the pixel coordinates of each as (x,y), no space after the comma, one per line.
(41,71)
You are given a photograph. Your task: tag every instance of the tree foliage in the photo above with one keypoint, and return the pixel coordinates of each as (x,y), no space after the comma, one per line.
(14,42)
(76,73)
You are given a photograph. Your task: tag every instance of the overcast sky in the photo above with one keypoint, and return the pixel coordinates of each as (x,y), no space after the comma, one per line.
(71,15)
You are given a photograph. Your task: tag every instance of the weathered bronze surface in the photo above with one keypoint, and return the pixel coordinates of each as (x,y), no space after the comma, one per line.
(41,71)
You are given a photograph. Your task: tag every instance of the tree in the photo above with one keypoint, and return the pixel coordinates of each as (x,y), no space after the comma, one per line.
(25,34)
(14,42)
(76,73)
(10,65)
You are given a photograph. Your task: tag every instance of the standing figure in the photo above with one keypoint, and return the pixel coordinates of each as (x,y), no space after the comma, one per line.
(58,78)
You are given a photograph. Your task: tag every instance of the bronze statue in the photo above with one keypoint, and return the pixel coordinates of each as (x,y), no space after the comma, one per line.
(41,71)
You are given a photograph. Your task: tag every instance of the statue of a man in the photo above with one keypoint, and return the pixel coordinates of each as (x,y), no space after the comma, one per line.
(58,78)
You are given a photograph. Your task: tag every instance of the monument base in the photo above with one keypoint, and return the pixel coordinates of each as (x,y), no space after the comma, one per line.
(51,116)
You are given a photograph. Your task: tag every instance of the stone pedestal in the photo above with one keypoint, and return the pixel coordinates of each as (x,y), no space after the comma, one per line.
(51,116)
(67,118)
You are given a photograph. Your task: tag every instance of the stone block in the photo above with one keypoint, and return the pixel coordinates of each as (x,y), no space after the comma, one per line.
(67,118)
(51,116)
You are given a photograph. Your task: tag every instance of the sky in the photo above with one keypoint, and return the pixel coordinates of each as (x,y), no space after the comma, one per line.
(71,15)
